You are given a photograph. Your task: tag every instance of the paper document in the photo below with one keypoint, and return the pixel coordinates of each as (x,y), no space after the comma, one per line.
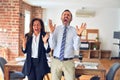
(20,59)
(20,63)
(87,65)
(90,67)
(90,64)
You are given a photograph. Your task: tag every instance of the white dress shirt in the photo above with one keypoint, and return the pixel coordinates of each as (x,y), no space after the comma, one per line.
(72,42)
(35,43)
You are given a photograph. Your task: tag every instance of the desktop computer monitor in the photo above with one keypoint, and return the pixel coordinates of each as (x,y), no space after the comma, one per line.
(116,35)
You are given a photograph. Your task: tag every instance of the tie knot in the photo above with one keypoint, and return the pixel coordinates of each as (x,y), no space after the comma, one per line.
(65,27)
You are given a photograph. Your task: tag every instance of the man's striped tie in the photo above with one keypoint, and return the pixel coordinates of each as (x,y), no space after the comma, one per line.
(61,57)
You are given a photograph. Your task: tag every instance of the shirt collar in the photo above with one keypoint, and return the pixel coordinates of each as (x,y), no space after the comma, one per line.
(36,36)
(67,27)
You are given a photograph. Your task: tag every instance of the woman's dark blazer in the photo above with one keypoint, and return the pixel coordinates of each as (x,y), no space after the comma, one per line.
(43,65)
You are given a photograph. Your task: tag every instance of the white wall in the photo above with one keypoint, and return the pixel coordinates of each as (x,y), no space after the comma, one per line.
(119,18)
(106,20)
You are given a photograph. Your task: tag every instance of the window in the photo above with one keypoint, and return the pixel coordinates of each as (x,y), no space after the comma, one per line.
(27,21)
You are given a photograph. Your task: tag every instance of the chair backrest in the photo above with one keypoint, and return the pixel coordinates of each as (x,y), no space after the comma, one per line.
(95,78)
(113,69)
(2,63)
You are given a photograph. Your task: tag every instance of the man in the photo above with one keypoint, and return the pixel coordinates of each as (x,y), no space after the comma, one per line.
(65,42)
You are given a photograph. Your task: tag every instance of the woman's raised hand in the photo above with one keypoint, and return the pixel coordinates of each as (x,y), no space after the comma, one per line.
(24,41)
(51,26)
(45,38)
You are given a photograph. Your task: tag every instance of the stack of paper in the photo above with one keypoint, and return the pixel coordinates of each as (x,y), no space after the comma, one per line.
(87,65)
(20,63)
(90,65)
(20,59)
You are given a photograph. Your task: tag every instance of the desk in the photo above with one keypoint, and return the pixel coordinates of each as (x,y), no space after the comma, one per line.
(11,66)
(100,71)
(16,66)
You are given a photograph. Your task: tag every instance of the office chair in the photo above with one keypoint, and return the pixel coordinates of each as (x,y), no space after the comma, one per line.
(13,74)
(111,73)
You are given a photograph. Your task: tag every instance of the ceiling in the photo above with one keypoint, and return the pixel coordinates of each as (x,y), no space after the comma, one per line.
(75,3)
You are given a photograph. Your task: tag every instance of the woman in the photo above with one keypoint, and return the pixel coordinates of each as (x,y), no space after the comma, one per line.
(35,46)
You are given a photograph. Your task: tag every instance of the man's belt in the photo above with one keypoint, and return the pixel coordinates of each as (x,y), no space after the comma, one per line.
(65,59)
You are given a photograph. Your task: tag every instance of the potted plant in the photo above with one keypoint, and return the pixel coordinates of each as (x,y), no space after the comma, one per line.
(94,47)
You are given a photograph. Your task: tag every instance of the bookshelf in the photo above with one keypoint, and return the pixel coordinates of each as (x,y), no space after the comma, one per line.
(90,44)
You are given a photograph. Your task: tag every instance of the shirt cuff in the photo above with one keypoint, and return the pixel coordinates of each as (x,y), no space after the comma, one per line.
(23,49)
(78,37)
(76,53)
(46,45)
(51,34)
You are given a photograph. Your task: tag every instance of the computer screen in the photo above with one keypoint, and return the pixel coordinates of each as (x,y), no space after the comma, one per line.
(116,35)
